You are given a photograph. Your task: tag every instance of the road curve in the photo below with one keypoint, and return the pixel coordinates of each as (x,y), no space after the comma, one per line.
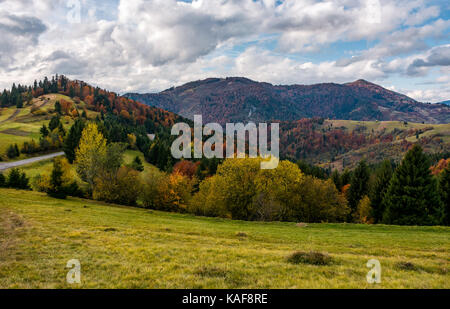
(7,165)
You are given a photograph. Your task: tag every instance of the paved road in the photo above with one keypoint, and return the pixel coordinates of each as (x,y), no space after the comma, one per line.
(6,165)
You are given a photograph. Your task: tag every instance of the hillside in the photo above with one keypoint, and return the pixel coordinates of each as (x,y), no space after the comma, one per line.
(342,144)
(24,110)
(238,99)
(124,247)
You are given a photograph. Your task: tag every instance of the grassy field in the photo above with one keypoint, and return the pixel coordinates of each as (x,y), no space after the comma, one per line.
(124,247)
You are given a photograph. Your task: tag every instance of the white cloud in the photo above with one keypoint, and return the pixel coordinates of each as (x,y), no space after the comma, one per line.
(151,45)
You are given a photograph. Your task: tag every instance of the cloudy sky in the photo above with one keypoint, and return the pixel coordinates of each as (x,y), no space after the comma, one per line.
(148,46)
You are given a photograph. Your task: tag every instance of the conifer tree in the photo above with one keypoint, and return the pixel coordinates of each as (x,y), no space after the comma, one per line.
(382,178)
(444,188)
(56,182)
(412,197)
(358,185)
(73,139)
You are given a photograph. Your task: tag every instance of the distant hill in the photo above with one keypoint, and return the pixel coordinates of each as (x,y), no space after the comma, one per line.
(342,144)
(237,99)
(445,102)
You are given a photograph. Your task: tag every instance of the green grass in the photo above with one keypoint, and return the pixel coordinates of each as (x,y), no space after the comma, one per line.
(124,247)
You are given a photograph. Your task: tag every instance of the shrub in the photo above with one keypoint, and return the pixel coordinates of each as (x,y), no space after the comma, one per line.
(137,164)
(312,257)
(13,151)
(17,180)
(172,193)
(2,181)
(363,211)
(122,188)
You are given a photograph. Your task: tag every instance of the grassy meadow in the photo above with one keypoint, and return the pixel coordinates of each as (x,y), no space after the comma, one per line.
(125,247)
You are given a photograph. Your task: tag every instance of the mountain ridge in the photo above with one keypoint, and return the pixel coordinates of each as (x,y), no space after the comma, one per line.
(239,99)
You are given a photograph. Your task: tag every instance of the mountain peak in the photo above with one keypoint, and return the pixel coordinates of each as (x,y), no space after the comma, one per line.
(238,99)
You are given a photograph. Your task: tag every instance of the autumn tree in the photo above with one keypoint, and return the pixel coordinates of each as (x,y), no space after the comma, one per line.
(89,154)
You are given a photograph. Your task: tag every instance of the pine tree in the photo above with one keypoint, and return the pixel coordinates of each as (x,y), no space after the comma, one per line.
(336,177)
(382,178)
(137,164)
(56,183)
(54,123)
(58,107)
(73,139)
(412,197)
(444,189)
(44,131)
(14,179)
(358,185)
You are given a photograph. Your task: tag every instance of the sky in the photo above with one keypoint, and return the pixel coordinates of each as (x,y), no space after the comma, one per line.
(149,46)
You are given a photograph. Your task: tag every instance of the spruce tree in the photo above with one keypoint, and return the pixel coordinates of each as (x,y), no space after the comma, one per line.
(412,197)
(383,176)
(54,123)
(358,185)
(56,183)
(44,131)
(444,189)
(73,139)
(137,164)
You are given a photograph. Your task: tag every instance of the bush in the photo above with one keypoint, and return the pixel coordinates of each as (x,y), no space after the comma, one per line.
(13,151)
(122,188)
(363,211)
(17,180)
(312,257)
(60,183)
(2,181)
(171,193)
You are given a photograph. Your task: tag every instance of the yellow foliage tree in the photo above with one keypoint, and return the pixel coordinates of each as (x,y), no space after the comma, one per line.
(363,211)
(89,154)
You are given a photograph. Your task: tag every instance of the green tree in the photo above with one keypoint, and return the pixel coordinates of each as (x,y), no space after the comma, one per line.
(412,197)
(73,139)
(358,185)
(44,131)
(17,180)
(54,123)
(137,164)
(56,181)
(13,151)
(444,188)
(380,185)
(58,107)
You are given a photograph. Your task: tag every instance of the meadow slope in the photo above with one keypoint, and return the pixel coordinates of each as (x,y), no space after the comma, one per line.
(124,247)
